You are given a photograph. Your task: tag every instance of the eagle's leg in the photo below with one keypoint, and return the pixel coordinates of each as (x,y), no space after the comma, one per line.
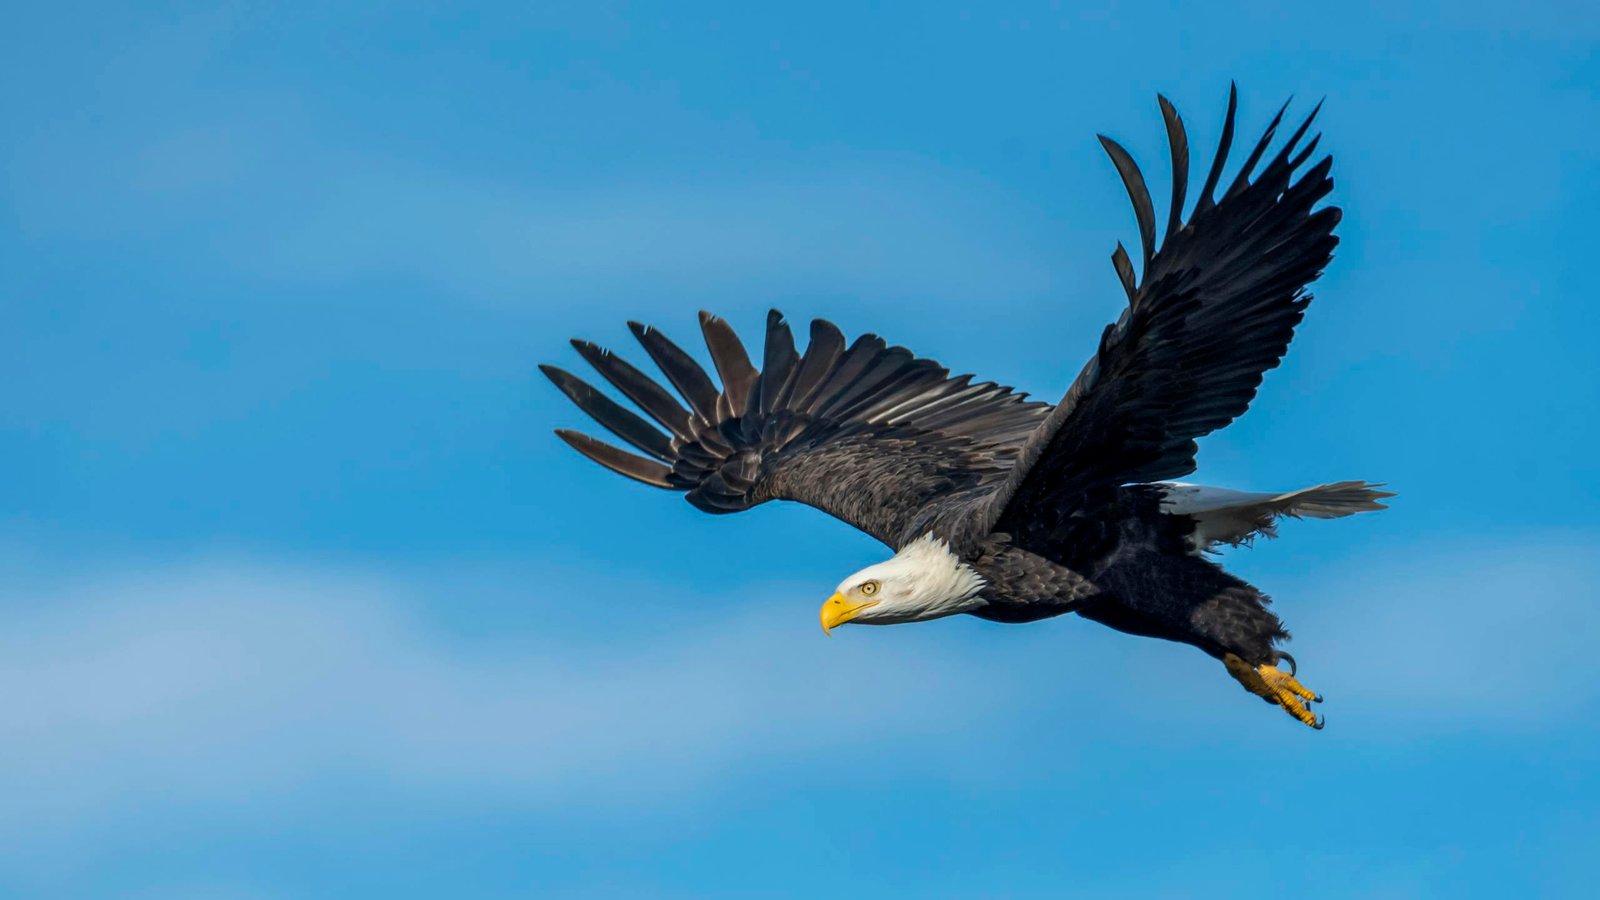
(1188,599)
(1276,686)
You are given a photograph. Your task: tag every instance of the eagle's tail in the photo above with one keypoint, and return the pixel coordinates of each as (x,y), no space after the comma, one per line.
(1223,516)
(1331,501)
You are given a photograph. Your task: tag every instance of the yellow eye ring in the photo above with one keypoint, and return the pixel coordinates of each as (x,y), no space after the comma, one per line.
(869,588)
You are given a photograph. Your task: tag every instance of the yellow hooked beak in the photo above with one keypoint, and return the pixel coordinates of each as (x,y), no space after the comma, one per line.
(838,610)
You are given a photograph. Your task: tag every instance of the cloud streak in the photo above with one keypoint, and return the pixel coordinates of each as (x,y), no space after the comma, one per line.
(230,683)
(221,683)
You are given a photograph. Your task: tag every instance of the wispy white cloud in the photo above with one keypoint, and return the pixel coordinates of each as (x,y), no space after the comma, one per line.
(253,683)
(220,683)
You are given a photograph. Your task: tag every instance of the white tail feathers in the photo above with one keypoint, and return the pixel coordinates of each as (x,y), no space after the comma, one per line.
(1330,501)
(1225,516)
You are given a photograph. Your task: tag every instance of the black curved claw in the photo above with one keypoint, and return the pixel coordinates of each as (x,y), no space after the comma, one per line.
(1321,721)
(1317,699)
(1293,668)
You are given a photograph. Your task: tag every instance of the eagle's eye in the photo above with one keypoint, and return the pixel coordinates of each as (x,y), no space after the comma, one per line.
(869,588)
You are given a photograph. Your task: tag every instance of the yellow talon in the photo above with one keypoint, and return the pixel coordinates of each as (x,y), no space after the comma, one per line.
(1276,686)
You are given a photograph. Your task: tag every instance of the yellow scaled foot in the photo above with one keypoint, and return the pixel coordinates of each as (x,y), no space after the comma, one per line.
(1276,686)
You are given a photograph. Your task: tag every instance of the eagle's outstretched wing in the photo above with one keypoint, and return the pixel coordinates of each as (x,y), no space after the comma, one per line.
(865,432)
(1215,309)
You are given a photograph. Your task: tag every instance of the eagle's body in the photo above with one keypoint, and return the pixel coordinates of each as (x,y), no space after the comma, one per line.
(1009,509)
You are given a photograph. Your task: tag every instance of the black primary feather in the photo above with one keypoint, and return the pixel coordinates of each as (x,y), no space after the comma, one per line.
(635,467)
(777,363)
(732,362)
(681,370)
(1178,146)
(1224,144)
(646,394)
(619,421)
(822,354)
(1133,180)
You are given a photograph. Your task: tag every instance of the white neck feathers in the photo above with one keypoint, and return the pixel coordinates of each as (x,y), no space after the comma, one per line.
(938,574)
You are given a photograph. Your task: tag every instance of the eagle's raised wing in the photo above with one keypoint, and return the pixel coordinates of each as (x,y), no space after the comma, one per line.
(1215,309)
(866,432)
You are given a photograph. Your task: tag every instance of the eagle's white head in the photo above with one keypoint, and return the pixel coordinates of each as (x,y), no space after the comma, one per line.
(923,581)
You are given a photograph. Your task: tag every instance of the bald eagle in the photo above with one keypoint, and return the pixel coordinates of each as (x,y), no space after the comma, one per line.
(1009,509)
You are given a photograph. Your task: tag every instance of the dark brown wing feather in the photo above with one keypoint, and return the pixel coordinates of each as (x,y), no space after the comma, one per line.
(1216,308)
(871,434)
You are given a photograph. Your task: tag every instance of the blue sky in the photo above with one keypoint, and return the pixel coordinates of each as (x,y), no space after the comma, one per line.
(302,598)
